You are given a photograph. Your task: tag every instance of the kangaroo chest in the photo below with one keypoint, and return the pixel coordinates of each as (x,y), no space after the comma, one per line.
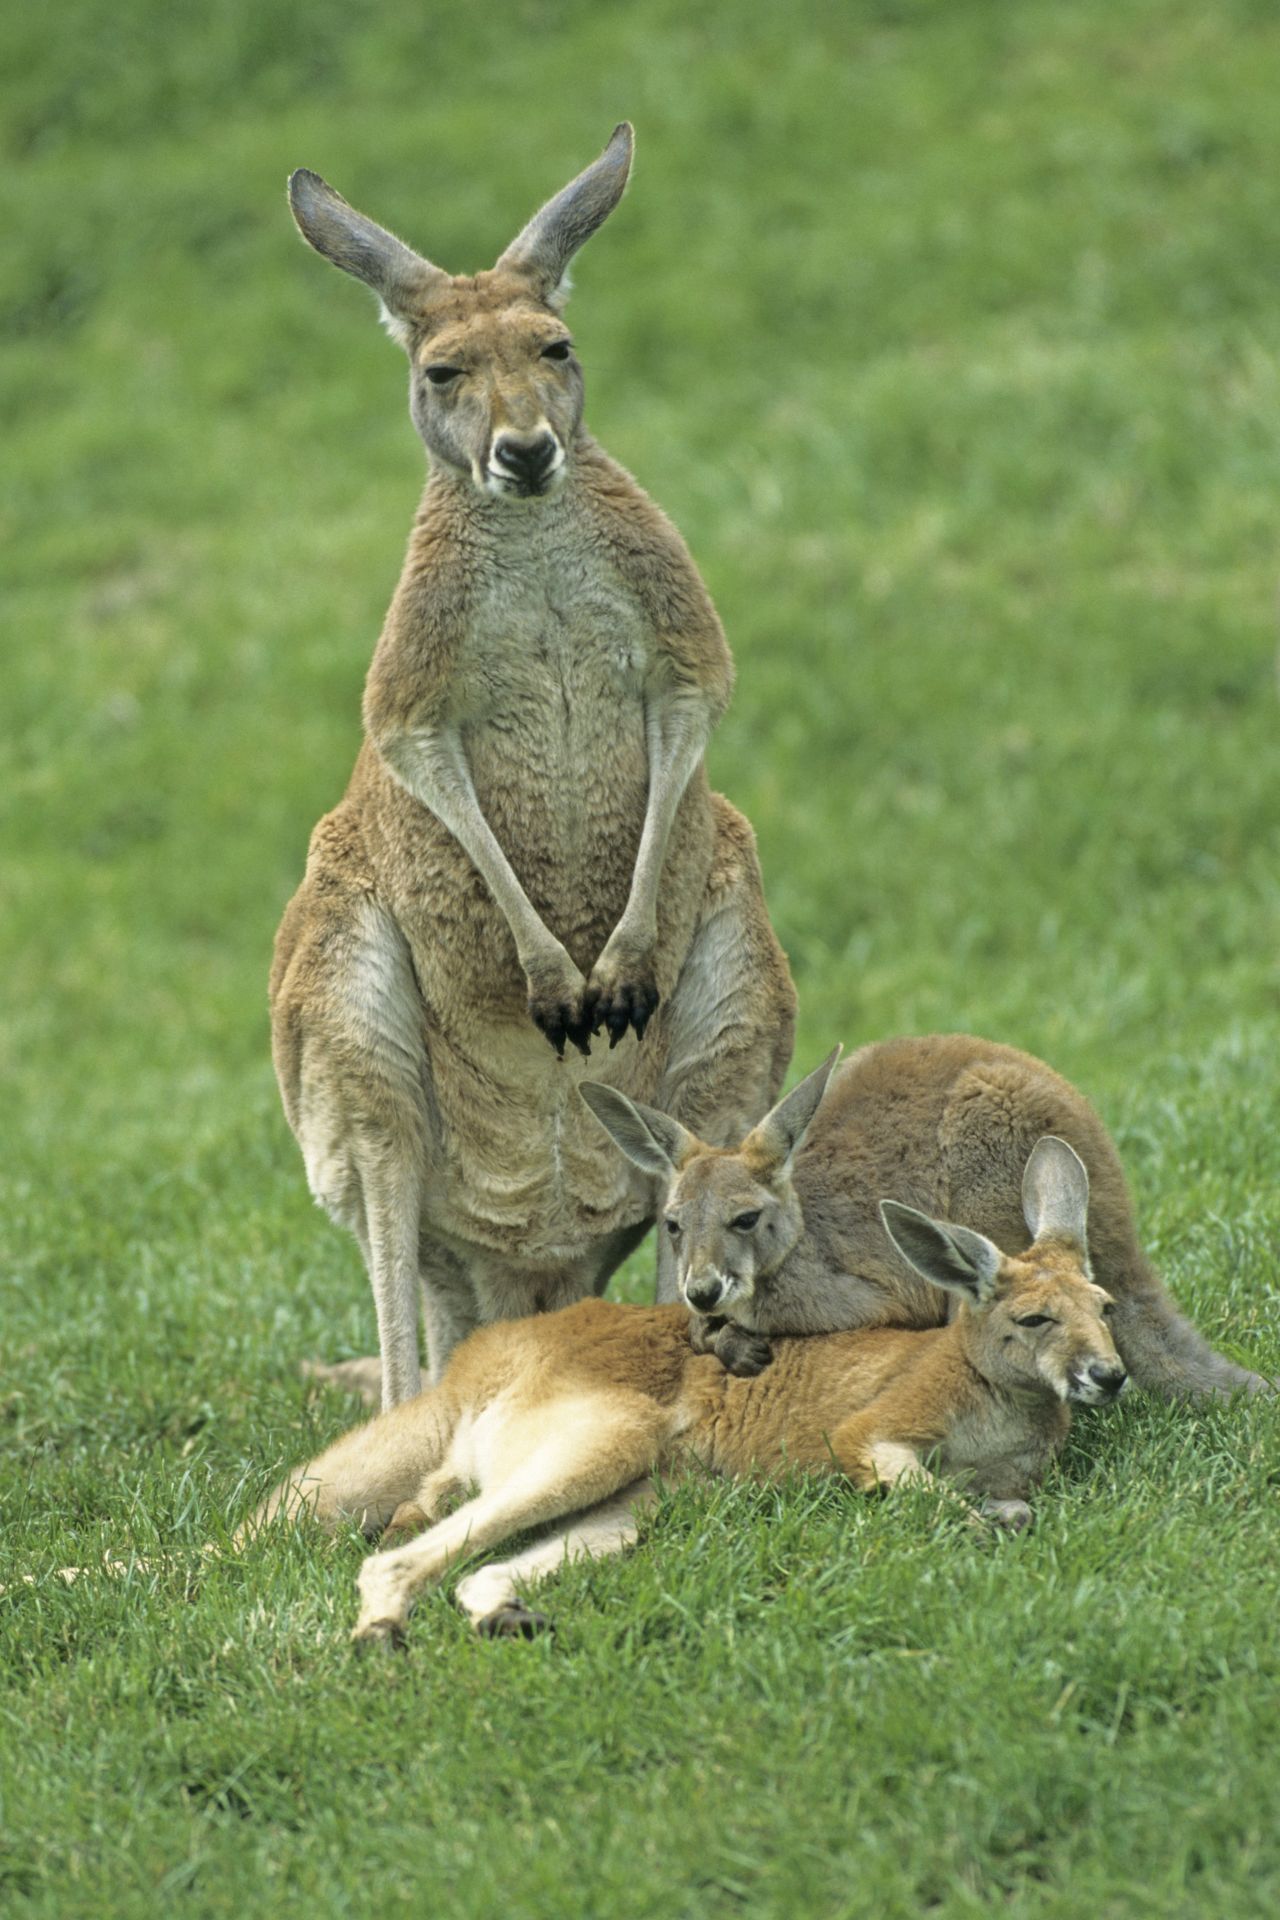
(1002,1451)
(550,697)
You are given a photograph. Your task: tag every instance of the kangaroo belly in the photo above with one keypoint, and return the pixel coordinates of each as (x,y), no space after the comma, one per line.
(522,1167)
(553,724)
(562,778)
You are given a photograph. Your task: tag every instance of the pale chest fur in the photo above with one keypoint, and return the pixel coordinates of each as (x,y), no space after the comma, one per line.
(549,700)
(1003,1449)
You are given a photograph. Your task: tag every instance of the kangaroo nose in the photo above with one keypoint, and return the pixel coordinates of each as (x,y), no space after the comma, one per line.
(527,461)
(703,1295)
(1108,1376)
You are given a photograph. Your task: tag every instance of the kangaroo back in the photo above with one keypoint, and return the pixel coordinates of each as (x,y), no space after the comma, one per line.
(997,1104)
(946,1124)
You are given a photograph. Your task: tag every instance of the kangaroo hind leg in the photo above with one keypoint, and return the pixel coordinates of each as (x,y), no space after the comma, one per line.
(492,1597)
(349,1039)
(561,1458)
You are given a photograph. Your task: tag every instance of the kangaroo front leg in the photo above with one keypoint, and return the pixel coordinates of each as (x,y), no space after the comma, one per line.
(368,1473)
(432,764)
(878,1465)
(623,991)
(738,1350)
(894,1465)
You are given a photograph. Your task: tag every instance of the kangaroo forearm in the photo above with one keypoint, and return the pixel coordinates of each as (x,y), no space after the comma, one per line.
(432,766)
(677,727)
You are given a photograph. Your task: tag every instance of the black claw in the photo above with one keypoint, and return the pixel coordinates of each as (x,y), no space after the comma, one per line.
(580,1034)
(552,1027)
(617,1020)
(384,1636)
(513,1623)
(643,1014)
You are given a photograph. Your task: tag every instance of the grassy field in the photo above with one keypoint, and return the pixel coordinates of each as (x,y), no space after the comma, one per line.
(948,333)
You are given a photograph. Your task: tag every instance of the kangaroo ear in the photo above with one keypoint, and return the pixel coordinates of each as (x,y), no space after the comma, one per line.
(401,278)
(651,1139)
(1055,1192)
(953,1257)
(774,1143)
(544,248)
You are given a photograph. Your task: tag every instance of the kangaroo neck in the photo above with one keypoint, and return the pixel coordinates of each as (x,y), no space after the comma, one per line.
(800,1295)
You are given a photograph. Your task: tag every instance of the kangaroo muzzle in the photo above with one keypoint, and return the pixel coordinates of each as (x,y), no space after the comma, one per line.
(705,1293)
(1099,1383)
(525,464)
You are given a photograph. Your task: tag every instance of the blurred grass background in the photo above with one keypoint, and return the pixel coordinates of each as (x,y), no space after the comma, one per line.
(948,334)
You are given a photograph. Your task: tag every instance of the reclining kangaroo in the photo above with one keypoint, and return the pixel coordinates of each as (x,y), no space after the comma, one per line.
(565,1417)
(528,851)
(782,1236)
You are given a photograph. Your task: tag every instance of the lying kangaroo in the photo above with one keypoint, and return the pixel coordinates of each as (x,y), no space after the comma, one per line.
(782,1233)
(528,850)
(566,1417)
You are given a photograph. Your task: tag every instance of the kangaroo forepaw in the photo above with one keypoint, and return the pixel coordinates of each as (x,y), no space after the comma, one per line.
(1012,1516)
(406,1523)
(618,998)
(740,1351)
(557,1009)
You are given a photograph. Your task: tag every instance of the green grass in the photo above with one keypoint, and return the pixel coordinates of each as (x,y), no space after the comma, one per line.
(949,336)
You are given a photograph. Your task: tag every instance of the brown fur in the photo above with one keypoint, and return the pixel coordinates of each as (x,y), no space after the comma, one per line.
(946,1123)
(528,849)
(566,1417)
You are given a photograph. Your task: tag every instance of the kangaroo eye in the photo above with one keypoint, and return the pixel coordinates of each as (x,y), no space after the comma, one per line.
(441,376)
(673,1228)
(1035,1320)
(558,350)
(745,1221)
(1108,1309)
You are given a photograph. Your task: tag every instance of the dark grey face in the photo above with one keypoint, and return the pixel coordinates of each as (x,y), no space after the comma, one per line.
(727,1229)
(731,1217)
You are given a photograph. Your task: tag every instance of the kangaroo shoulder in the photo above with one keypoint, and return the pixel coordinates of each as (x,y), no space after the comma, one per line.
(423,636)
(651,557)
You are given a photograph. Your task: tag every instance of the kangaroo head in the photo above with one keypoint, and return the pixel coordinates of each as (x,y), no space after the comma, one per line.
(495,389)
(1033,1319)
(732,1214)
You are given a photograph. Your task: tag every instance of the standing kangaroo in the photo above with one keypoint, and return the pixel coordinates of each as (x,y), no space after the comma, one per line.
(564,1418)
(782,1235)
(527,851)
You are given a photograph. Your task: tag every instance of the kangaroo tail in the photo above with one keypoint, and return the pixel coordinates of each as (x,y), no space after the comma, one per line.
(113,1569)
(1165,1353)
(370,1472)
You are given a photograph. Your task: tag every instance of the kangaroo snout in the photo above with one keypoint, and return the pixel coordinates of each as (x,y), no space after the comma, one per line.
(526,462)
(1101,1380)
(704,1295)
